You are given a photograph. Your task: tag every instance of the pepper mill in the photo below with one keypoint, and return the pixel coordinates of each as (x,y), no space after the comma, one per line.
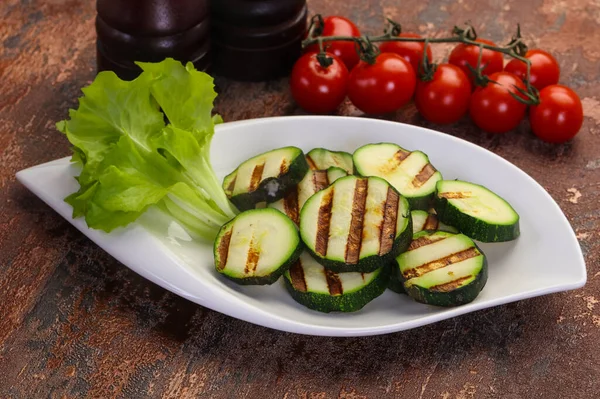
(150,31)
(256,40)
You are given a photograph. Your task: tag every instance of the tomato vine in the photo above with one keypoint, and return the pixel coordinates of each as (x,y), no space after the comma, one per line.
(368,51)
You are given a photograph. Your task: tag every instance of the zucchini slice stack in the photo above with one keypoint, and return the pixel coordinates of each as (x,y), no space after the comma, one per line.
(358,224)
(442,269)
(257,247)
(340,240)
(266,177)
(318,288)
(410,173)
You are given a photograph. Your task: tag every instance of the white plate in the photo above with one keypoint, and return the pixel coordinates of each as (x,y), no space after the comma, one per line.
(545,259)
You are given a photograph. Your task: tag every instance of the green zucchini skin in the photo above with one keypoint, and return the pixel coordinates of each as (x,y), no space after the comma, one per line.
(473,227)
(274,275)
(420,203)
(395,283)
(460,296)
(350,302)
(270,189)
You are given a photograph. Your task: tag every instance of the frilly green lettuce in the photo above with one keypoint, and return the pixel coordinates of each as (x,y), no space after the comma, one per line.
(146,143)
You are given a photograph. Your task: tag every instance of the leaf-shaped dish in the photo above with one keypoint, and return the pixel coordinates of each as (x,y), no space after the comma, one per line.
(546,258)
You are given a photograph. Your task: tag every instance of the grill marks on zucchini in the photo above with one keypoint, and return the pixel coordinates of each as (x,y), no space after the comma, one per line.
(452,285)
(443,269)
(320,180)
(332,279)
(424,240)
(317,288)
(333,283)
(355,235)
(297,278)
(390,218)
(256,176)
(257,246)
(395,161)
(410,173)
(439,263)
(324,223)
(457,195)
(252,258)
(223,249)
(291,206)
(356,224)
(266,177)
(424,175)
(311,164)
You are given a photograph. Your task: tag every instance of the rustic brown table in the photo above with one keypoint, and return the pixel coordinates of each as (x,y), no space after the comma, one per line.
(76,323)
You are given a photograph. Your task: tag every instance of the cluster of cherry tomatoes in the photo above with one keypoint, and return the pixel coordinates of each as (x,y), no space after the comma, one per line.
(395,78)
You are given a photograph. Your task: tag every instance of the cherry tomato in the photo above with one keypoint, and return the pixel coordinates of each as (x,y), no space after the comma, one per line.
(318,89)
(445,98)
(467,54)
(411,51)
(545,71)
(345,50)
(492,107)
(383,86)
(559,115)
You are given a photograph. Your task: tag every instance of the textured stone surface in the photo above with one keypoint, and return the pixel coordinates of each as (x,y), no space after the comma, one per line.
(76,323)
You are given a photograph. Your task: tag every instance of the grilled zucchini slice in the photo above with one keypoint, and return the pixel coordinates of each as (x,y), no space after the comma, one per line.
(357,224)
(314,180)
(322,159)
(317,288)
(442,269)
(410,173)
(266,177)
(476,211)
(257,247)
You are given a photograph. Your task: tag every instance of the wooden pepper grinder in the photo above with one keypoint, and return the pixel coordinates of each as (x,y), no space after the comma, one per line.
(256,40)
(150,31)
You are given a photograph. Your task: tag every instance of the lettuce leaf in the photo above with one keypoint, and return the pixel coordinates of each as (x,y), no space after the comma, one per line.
(131,159)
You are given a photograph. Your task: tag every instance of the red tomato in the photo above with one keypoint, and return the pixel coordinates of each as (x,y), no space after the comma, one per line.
(467,54)
(382,87)
(445,98)
(345,50)
(492,107)
(318,89)
(559,115)
(411,51)
(544,71)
